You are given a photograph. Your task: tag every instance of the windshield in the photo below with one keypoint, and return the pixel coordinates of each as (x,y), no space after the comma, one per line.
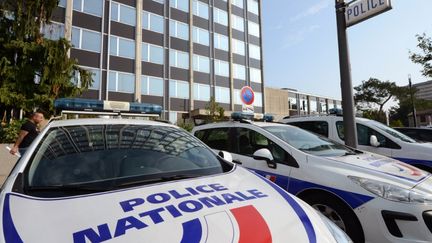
(393,132)
(114,155)
(308,142)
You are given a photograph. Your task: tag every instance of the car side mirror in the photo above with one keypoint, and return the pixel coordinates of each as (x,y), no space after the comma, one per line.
(226,156)
(265,154)
(374,141)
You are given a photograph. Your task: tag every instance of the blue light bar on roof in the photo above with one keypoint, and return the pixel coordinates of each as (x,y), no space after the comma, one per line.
(78,104)
(236,116)
(268,118)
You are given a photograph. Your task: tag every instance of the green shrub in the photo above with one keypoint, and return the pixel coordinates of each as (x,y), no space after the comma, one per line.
(9,132)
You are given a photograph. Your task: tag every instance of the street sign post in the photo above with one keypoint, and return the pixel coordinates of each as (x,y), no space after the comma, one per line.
(362,10)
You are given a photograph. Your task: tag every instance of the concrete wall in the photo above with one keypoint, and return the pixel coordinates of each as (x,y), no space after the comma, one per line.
(7,162)
(276,102)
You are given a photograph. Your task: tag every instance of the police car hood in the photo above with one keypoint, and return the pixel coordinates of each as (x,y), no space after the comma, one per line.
(234,207)
(385,168)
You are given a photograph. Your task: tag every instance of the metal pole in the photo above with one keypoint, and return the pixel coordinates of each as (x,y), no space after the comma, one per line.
(350,131)
(412,101)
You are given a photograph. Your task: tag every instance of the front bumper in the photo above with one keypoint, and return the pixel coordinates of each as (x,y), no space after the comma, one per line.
(386,221)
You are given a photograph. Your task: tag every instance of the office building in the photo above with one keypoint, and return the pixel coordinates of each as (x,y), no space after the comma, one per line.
(175,53)
(424,90)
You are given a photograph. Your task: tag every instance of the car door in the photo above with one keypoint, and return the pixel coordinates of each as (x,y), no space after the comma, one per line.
(247,141)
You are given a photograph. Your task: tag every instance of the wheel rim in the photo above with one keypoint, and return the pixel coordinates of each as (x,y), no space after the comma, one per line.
(331,214)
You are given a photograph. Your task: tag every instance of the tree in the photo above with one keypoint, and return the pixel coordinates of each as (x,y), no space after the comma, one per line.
(425,58)
(214,111)
(33,69)
(404,108)
(376,92)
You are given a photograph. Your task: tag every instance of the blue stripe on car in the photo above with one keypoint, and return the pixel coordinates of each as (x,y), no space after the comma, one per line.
(9,231)
(192,231)
(427,163)
(295,186)
(298,210)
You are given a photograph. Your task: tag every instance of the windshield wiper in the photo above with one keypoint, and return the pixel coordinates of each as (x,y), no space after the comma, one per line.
(69,188)
(159,179)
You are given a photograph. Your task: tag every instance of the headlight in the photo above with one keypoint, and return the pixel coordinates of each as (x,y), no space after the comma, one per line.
(391,192)
(339,235)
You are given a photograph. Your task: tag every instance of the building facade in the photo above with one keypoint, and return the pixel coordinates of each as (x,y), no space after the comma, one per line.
(290,102)
(175,53)
(424,90)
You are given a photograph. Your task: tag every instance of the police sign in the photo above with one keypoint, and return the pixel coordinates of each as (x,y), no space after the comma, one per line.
(364,9)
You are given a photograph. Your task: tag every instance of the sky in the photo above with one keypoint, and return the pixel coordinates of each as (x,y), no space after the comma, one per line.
(301,51)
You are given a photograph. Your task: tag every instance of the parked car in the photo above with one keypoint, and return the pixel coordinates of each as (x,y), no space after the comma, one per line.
(421,134)
(372,136)
(372,197)
(103,180)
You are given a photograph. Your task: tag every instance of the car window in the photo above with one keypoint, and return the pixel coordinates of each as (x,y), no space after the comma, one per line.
(363,136)
(318,127)
(73,155)
(309,142)
(215,138)
(249,141)
(392,132)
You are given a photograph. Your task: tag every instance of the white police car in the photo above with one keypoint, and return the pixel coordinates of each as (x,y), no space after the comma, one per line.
(373,198)
(372,136)
(117,180)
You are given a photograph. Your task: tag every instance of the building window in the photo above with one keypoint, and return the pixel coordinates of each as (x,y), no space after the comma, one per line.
(221,68)
(221,42)
(122,47)
(201,36)
(258,99)
(237,22)
(255,75)
(239,71)
(254,52)
(152,22)
(201,64)
(238,47)
(179,89)
(152,86)
(201,92)
(253,29)
(53,31)
(222,95)
(179,59)
(200,9)
(62,3)
(95,77)
(253,6)
(93,7)
(159,1)
(121,82)
(152,53)
(86,40)
(179,30)
(182,5)
(123,13)
(220,16)
(238,3)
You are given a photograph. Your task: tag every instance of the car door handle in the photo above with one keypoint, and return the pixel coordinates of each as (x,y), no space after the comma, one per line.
(237,161)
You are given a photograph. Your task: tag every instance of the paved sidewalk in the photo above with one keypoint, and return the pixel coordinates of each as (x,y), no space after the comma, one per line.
(7,161)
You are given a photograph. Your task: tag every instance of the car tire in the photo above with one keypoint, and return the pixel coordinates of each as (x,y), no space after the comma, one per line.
(338,212)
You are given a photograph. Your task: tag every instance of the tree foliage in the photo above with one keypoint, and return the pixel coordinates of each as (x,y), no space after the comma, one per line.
(375,92)
(34,70)
(425,57)
(214,111)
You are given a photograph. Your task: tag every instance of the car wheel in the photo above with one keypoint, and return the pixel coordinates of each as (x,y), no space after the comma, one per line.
(338,212)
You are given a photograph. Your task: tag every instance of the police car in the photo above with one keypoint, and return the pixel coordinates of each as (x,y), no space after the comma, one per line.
(372,197)
(120,180)
(372,136)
